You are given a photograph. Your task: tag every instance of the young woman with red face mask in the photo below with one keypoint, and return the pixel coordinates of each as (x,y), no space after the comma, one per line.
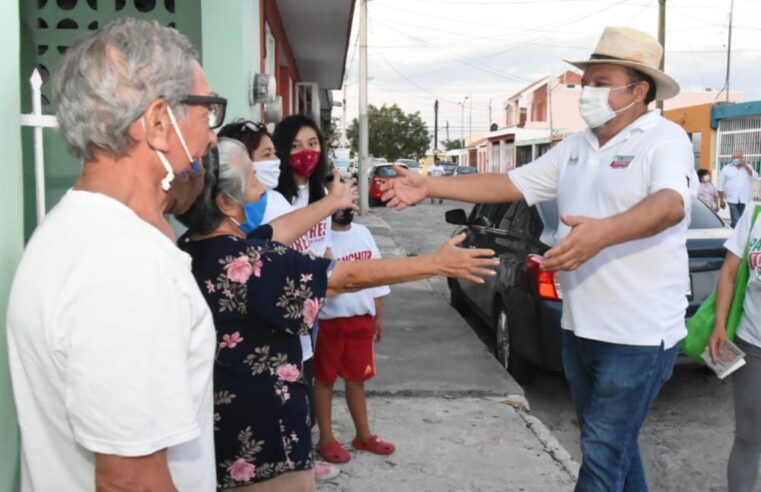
(303,164)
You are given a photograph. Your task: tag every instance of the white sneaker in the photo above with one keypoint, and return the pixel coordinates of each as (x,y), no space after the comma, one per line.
(325,471)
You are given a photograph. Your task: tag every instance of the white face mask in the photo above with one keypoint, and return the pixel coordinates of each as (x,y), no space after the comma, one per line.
(594,106)
(268,172)
(166,183)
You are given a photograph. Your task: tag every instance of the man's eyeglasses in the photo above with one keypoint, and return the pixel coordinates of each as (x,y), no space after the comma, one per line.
(217,107)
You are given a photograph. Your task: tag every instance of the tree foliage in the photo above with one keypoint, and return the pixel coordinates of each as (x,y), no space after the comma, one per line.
(392,133)
(452,144)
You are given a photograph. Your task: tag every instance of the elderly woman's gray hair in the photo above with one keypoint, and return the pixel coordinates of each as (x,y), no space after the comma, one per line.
(107,79)
(227,168)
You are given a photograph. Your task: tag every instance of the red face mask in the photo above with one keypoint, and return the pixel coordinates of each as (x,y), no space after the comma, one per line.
(304,162)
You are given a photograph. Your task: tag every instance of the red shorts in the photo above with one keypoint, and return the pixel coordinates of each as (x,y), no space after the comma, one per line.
(345,348)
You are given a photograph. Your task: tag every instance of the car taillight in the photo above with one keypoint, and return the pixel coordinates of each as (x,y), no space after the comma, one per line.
(547,284)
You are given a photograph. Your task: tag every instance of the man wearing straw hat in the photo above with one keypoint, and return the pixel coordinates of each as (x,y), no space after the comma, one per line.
(623,190)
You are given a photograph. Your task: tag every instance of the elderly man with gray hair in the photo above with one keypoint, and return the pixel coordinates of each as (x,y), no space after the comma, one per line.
(111,343)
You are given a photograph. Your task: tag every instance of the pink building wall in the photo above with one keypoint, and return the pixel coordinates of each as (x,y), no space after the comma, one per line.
(566,89)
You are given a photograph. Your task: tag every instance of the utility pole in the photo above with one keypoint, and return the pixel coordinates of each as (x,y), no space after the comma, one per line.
(462,121)
(363,130)
(549,106)
(662,38)
(729,47)
(344,140)
(435,127)
(470,120)
(490,120)
(447,130)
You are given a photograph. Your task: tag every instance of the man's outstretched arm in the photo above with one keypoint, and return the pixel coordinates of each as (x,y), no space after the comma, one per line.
(410,188)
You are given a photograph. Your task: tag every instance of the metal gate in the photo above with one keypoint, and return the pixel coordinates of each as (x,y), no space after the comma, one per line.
(743,134)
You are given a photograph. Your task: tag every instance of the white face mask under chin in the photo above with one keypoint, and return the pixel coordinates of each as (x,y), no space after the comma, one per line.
(166,182)
(594,107)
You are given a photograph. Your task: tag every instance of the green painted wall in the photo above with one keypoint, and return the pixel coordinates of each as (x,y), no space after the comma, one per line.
(231,52)
(12,225)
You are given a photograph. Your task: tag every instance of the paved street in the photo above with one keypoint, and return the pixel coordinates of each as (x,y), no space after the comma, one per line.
(687,437)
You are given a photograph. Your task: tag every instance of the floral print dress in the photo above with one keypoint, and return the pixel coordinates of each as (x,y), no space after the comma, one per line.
(263,295)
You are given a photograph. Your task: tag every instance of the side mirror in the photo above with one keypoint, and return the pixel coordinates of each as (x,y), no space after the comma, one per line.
(456,217)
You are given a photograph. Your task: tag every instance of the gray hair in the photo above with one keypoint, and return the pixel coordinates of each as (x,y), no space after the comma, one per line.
(106,80)
(233,175)
(226,174)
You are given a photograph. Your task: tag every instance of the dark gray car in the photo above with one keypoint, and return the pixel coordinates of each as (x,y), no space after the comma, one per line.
(523,304)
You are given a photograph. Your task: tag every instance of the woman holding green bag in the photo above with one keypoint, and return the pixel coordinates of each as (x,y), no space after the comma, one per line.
(743,245)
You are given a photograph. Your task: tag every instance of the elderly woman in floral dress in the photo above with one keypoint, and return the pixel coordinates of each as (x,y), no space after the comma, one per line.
(263,295)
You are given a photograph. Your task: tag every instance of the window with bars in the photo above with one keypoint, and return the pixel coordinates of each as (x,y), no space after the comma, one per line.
(743,134)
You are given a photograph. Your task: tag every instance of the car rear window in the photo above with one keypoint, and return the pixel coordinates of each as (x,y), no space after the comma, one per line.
(703,217)
(385,172)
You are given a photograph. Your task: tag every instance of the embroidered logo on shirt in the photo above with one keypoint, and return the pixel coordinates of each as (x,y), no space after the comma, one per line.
(621,161)
(573,160)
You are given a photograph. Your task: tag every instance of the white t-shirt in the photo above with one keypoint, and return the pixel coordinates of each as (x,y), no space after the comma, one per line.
(355,244)
(111,349)
(734,182)
(632,293)
(319,235)
(277,205)
(750,323)
(436,170)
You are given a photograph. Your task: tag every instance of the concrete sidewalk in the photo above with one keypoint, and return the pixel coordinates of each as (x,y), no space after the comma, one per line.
(457,418)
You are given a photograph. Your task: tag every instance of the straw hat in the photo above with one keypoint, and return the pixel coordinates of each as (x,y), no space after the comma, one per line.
(632,48)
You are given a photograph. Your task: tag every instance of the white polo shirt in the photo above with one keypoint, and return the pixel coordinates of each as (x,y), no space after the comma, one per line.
(632,293)
(734,182)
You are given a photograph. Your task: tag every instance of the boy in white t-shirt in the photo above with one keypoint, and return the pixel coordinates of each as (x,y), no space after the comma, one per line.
(349,324)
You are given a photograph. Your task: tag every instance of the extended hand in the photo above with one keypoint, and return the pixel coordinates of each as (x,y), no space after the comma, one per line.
(406,190)
(343,194)
(378,330)
(466,263)
(586,239)
(716,342)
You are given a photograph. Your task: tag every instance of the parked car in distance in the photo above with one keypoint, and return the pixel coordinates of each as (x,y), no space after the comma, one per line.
(449,168)
(378,175)
(465,170)
(411,164)
(523,304)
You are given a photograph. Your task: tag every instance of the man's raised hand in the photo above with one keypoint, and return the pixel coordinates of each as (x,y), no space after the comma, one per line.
(406,190)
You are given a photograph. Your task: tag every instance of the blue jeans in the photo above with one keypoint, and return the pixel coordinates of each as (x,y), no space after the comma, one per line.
(735,212)
(613,387)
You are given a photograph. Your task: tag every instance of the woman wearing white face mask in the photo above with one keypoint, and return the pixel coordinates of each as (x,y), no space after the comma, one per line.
(261,150)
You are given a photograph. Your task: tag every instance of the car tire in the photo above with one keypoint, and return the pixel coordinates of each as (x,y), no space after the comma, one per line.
(457,299)
(520,369)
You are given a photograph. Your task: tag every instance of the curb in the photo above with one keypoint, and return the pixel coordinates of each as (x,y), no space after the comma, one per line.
(550,443)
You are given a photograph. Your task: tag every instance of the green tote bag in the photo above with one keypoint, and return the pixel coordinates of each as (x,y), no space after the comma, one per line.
(700,326)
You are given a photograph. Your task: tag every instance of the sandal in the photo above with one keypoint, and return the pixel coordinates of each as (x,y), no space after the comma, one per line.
(374,445)
(333,452)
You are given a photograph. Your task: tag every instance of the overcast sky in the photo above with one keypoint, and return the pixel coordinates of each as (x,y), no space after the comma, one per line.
(420,50)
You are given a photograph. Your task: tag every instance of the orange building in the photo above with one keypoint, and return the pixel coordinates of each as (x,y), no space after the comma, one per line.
(696,121)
